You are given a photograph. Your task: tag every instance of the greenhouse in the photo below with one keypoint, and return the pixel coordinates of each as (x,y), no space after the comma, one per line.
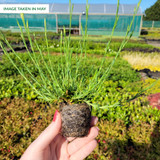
(101,18)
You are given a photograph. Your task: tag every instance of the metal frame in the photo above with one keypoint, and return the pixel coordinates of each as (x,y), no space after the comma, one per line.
(56,23)
(141,24)
(80,16)
(66,13)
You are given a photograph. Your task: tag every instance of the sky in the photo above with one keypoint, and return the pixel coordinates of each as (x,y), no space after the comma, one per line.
(144,4)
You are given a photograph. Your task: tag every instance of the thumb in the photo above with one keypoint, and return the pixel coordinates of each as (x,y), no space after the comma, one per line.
(47,136)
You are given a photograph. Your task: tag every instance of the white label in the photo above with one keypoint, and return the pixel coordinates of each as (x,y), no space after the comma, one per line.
(24,8)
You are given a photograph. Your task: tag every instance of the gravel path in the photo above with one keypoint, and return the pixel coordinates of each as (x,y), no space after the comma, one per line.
(154,43)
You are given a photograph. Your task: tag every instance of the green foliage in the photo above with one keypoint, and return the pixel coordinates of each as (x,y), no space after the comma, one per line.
(16,88)
(21,122)
(68,84)
(15,37)
(152,33)
(11,81)
(121,91)
(96,47)
(153,13)
(92,47)
(154,89)
(127,131)
(117,141)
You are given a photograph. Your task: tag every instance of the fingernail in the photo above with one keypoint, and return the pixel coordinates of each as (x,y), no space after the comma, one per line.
(96,120)
(55,116)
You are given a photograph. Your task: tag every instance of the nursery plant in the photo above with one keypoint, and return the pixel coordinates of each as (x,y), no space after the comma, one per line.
(66,85)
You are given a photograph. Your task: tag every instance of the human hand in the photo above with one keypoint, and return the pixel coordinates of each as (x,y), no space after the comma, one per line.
(51,145)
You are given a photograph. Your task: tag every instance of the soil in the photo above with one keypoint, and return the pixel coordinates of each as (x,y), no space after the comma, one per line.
(76,119)
(153,42)
(144,50)
(17,48)
(146,73)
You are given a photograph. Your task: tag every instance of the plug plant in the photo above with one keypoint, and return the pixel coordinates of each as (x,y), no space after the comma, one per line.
(66,84)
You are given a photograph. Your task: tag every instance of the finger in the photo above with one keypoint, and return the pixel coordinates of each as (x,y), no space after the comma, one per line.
(49,133)
(94,121)
(59,148)
(78,143)
(62,152)
(70,139)
(84,151)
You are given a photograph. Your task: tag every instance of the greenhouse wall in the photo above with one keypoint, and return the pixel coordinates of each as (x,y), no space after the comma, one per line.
(35,21)
(97,24)
(101,17)
(151,24)
(103,24)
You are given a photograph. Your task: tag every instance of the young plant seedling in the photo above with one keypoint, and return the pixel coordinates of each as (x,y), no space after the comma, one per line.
(66,84)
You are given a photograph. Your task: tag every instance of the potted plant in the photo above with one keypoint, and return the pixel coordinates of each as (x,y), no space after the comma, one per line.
(66,84)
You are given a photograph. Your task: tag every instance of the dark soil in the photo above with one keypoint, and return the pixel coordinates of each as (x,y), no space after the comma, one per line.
(153,42)
(17,47)
(144,50)
(146,73)
(76,119)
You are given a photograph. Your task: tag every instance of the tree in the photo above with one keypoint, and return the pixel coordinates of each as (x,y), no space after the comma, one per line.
(153,13)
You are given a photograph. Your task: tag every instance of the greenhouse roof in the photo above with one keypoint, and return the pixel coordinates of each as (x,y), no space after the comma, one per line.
(95,8)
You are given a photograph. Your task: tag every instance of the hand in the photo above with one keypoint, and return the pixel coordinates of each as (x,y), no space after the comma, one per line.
(51,145)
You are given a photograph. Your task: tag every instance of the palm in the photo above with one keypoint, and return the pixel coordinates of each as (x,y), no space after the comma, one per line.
(62,149)
(50,145)
(57,150)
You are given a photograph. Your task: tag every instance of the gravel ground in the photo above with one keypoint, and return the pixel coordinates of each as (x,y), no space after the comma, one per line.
(154,43)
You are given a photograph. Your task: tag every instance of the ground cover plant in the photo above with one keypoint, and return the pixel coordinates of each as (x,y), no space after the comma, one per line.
(33,117)
(96,46)
(130,132)
(141,61)
(151,33)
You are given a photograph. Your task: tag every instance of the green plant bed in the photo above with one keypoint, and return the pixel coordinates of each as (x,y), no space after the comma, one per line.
(103,39)
(16,88)
(151,33)
(121,70)
(98,47)
(135,111)
(112,92)
(117,141)
(92,47)
(16,36)
(22,121)
(73,79)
